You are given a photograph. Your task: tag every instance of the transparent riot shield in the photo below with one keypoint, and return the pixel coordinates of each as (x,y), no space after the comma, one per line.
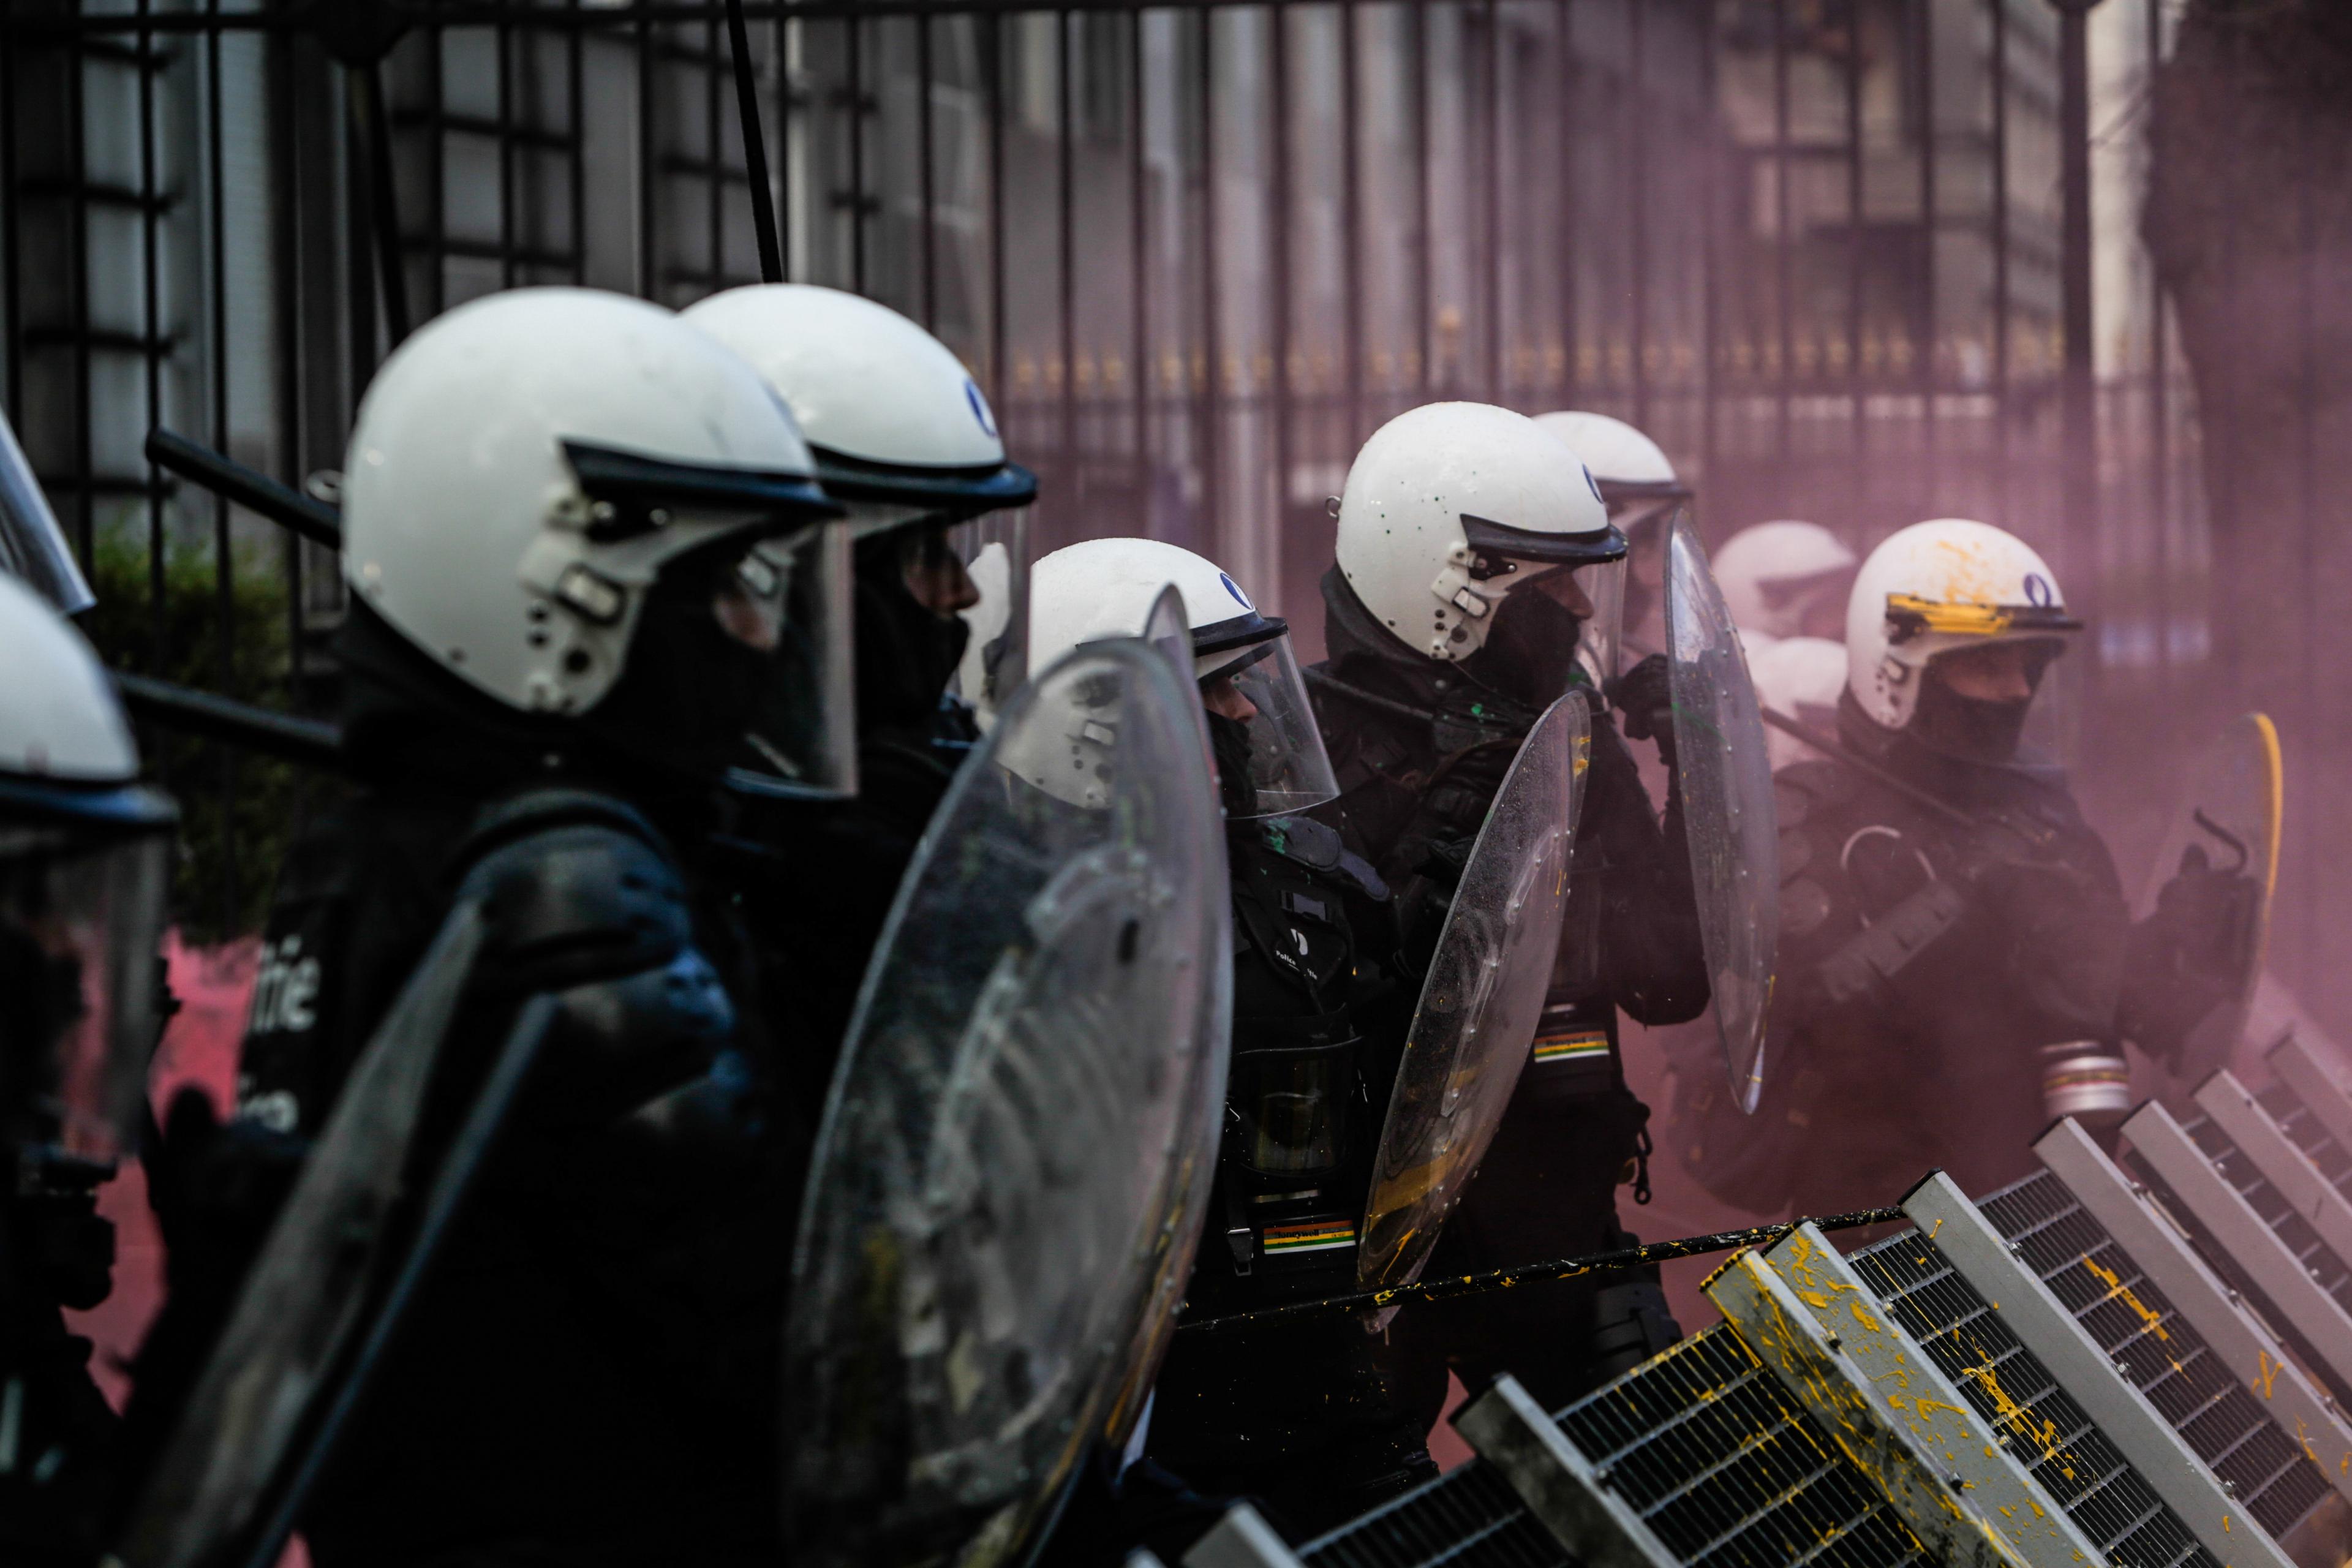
(1008,1181)
(995,550)
(303,1305)
(1643,613)
(1479,1000)
(1726,772)
(33,548)
(1187,1194)
(2202,920)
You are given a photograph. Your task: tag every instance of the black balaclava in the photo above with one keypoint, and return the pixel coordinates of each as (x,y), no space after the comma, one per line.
(907,653)
(1229,742)
(1965,727)
(693,693)
(1529,655)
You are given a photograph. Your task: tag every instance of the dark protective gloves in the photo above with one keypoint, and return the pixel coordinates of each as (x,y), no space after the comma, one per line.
(1644,696)
(2189,959)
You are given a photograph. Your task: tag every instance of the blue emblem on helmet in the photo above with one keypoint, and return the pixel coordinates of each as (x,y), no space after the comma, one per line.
(980,409)
(2037,591)
(1235,589)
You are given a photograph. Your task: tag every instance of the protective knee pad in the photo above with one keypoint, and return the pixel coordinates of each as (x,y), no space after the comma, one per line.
(1631,1324)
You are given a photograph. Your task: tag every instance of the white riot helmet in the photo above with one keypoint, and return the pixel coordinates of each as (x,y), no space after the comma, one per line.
(1945,591)
(1109,587)
(1645,495)
(1454,510)
(1799,679)
(1633,472)
(85,863)
(1786,578)
(589,512)
(902,435)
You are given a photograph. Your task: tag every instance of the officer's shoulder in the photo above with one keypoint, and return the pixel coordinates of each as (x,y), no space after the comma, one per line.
(574,877)
(1319,846)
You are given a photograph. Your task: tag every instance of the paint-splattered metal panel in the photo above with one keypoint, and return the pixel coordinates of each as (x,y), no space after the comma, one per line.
(2159,1351)
(1726,1469)
(2040,1423)
(1468,1518)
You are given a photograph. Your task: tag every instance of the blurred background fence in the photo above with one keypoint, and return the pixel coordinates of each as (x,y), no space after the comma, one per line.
(1823,250)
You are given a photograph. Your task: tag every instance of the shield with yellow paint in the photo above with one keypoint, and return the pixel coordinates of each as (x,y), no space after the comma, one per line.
(1480,1000)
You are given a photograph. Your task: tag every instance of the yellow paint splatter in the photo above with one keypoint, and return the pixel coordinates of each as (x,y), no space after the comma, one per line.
(2123,1292)
(2007,1410)
(2266,1374)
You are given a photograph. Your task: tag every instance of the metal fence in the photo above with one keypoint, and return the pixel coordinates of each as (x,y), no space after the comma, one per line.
(1197,251)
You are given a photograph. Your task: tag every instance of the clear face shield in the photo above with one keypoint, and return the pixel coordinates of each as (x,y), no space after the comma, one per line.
(739,662)
(1558,628)
(790,596)
(1261,729)
(995,550)
(1647,520)
(33,548)
(2000,701)
(79,924)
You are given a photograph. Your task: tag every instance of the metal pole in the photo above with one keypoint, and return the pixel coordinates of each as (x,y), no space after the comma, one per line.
(1534,1274)
(755,150)
(1071,502)
(2159,402)
(2079,416)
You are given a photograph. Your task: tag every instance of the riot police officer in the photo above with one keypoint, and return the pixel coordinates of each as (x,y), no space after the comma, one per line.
(1319,1419)
(85,862)
(904,438)
(1786,578)
(1478,577)
(1952,931)
(586,561)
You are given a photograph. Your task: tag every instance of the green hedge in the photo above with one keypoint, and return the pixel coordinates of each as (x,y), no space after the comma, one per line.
(238,808)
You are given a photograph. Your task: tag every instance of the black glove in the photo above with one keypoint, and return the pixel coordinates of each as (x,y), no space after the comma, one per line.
(2188,960)
(1644,696)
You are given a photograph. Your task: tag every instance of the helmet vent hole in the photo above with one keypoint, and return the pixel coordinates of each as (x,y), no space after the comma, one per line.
(576,662)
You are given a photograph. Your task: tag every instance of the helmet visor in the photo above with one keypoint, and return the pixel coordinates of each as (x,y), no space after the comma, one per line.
(1641,616)
(2001,699)
(995,553)
(1260,686)
(785,600)
(79,924)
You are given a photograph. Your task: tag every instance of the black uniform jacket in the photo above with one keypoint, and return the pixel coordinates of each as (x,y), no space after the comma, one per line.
(1924,964)
(591,1371)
